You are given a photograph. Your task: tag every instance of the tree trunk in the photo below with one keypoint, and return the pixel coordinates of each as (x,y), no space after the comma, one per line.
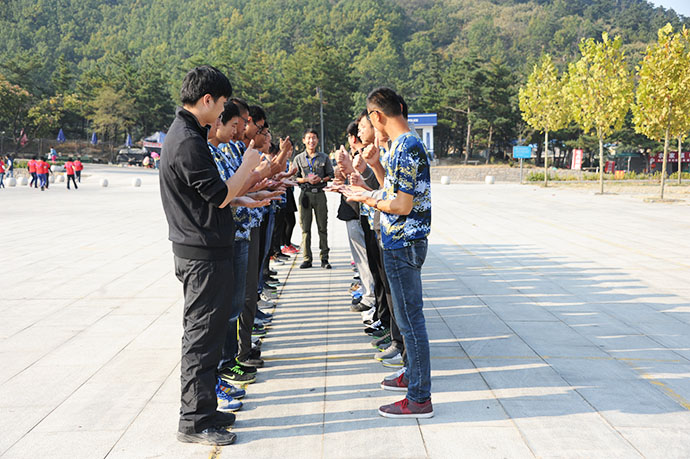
(469,131)
(546,159)
(488,148)
(680,160)
(601,164)
(663,167)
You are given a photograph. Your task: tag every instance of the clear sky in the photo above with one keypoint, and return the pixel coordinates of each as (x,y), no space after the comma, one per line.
(680,6)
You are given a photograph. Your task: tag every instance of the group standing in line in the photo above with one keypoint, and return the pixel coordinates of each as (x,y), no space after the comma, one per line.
(226,191)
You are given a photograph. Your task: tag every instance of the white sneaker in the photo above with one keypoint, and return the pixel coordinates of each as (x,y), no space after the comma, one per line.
(395,375)
(369,315)
(263,304)
(395,361)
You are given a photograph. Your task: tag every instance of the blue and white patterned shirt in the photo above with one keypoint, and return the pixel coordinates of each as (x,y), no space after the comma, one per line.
(407,170)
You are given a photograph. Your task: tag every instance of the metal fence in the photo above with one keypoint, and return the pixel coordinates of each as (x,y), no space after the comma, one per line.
(102,152)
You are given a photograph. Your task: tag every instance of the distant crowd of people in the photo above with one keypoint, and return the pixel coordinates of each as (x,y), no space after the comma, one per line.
(40,169)
(226,191)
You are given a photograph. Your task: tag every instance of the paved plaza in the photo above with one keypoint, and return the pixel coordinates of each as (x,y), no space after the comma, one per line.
(559,325)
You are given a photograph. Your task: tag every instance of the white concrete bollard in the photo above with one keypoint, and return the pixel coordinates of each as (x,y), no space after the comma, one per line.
(11,181)
(54,168)
(52,179)
(61,178)
(104,182)
(490,180)
(445,180)
(23,181)
(136,183)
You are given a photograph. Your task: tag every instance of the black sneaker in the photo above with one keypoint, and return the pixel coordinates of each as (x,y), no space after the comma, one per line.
(224,419)
(213,436)
(305,265)
(258,330)
(269,288)
(381,333)
(282,256)
(255,353)
(378,342)
(271,280)
(237,375)
(356,300)
(250,362)
(374,327)
(272,272)
(325,264)
(359,307)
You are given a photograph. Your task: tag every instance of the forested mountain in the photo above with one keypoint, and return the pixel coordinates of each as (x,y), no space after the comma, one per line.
(116,65)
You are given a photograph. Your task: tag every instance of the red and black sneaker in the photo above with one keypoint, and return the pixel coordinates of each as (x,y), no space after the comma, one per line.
(398,384)
(407,409)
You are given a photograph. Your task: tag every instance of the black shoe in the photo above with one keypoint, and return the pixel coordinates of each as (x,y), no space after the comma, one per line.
(282,256)
(271,280)
(356,300)
(269,288)
(258,330)
(250,362)
(272,272)
(255,353)
(305,265)
(359,307)
(213,436)
(237,374)
(224,419)
(325,264)
(380,333)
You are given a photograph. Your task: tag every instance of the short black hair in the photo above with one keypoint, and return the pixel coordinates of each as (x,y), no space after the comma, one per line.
(310,131)
(386,100)
(257,113)
(230,110)
(352,129)
(241,104)
(273,149)
(204,80)
(404,106)
(363,114)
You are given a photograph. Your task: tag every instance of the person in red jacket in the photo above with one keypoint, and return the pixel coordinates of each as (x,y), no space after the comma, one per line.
(2,173)
(39,173)
(69,168)
(31,165)
(46,173)
(78,167)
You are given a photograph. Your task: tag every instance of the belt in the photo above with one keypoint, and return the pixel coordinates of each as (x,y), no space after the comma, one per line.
(312,190)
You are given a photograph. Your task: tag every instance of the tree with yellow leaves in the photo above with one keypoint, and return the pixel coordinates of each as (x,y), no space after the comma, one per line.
(662,102)
(599,90)
(542,103)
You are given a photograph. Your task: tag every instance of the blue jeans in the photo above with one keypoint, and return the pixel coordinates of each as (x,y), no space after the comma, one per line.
(266,249)
(241,258)
(404,270)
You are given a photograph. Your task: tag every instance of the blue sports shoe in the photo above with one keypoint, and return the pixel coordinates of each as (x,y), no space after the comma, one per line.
(226,402)
(232,391)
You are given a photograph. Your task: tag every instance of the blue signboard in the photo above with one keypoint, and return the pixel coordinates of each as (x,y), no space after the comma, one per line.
(522,152)
(423,119)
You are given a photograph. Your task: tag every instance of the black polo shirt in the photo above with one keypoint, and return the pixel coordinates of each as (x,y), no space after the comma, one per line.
(192,191)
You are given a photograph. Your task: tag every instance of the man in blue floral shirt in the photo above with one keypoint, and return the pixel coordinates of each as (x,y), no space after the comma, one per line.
(405,224)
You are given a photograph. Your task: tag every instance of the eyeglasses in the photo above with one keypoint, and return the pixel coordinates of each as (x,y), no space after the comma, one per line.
(261,128)
(369,114)
(246,120)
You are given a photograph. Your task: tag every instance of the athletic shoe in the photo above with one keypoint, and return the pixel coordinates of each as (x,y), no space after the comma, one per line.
(305,265)
(384,346)
(359,307)
(281,256)
(277,261)
(234,392)
(325,264)
(258,330)
(395,375)
(225,402)
(267,298)
(393,362)
(377,342)
(272,272)
(256,341)
(246,368)
(368,315)
(380,333)
(269,288)
(407,409)
(250,362)
(265,304)
(354,286)
(356,300)
(255,353)
(293,249)
(391,352)
(285,250)
(398,384)
(356,277)
(376,326)
(213,436)
(271,280)
(237,375)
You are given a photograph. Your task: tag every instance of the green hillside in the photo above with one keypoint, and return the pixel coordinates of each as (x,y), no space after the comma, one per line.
(115,65)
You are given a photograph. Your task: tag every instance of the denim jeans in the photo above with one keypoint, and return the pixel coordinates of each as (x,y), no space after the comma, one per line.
(266,249)
(240,261)
(404,269)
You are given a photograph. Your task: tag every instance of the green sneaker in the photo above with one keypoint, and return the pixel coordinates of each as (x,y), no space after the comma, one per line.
(236,375)
(376,342)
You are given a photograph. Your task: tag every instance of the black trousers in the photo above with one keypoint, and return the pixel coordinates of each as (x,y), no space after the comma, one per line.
(251,296)
(78,173)
(71,177)
(382,290)
(207,298)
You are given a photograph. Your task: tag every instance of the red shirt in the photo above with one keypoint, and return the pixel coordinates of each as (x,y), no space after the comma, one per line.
(39,166)
(32,165)
(69,167)
(2,167)
(78,166)
(45,169)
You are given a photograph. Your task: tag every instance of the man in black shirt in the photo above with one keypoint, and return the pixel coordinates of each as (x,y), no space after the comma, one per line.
(196,204)
(314,170)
